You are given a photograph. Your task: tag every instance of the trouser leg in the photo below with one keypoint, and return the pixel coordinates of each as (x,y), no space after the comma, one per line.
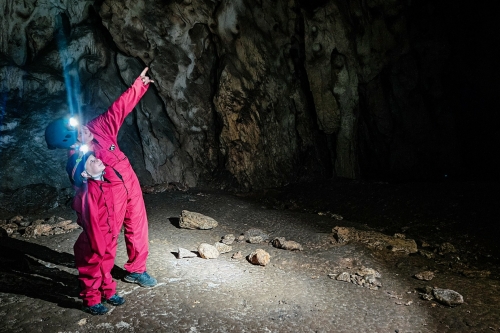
(88,264)
(131,211)
(136,235)
(108,287)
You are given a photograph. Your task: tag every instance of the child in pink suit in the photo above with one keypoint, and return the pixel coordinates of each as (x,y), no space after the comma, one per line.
(95,248)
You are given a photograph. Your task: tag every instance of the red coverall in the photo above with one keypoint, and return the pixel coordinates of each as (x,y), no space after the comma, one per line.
(95,248)
(129,203)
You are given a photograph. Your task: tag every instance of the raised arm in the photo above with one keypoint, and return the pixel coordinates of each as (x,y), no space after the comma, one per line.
(109,122)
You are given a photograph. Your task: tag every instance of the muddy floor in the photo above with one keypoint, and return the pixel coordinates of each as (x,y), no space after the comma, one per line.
(297,291)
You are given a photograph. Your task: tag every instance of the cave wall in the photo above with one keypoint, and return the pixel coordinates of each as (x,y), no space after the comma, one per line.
(247,94)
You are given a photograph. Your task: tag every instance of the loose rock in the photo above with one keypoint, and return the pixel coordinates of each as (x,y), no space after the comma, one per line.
(228,239)
(208,251)
(427,254)
(364,277)
(51,226)
(223,248)
(447,296)
(446,248)
(259,257)
(360,275)
(66,225)
(20,221)
(374,239)
(16,219)
(364,271)
(255,239)
(344,276)
(255,235)
(34,231)
(192,220)
(425,275)
(184,253)
(281,243)
(476,274)
(9,228)
(237,255)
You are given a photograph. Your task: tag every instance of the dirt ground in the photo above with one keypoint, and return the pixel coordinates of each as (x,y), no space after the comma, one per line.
(297,291)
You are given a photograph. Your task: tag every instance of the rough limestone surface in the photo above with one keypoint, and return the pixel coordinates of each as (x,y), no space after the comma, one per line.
(374,239)
(37,230)
(448,296)
(282,243)
(19,225)
(259,257)
(425,275)
(185,253)
(237,255)
(255,235)
(193,220)
(361,276)
(292,246)
(208,251)
(228,239)
(266,93)
(446,248)
(255,239)
(9,228)
(476,273)
(223,248)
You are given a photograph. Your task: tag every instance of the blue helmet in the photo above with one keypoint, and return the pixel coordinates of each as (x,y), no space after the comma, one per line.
(75,167)
(60,134)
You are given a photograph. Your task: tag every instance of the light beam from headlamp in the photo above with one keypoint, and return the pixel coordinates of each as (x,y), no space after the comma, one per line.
(69,68)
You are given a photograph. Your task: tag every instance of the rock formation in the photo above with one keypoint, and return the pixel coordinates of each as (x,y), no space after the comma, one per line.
(246,94)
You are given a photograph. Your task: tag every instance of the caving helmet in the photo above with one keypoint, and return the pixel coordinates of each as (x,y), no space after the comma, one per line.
(61,133)
(76,165)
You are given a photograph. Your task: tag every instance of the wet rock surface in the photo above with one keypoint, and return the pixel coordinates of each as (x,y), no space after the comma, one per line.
(296,291)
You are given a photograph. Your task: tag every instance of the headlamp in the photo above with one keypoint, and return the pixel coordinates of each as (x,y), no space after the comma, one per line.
(73,122)
(84,149)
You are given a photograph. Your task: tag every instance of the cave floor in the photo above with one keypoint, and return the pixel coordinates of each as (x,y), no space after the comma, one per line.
(295,292)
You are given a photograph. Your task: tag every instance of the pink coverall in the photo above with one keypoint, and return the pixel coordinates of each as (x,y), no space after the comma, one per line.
(129,203)
(95,248)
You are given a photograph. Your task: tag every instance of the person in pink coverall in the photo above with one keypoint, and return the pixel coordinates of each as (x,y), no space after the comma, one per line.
(100,134)
(95,248)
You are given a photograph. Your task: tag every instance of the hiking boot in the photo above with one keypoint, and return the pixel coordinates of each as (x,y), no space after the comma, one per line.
(97,309)
(115,300)
(142,279)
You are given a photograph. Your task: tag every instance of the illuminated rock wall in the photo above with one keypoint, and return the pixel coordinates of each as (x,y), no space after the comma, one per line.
(247,94)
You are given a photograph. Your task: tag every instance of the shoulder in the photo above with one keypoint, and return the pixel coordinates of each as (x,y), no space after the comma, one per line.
(93,187)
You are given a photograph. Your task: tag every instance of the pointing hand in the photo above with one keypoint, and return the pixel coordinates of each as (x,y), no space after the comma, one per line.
(145,79)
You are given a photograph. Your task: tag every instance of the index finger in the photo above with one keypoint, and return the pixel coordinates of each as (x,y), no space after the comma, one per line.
(144,71)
